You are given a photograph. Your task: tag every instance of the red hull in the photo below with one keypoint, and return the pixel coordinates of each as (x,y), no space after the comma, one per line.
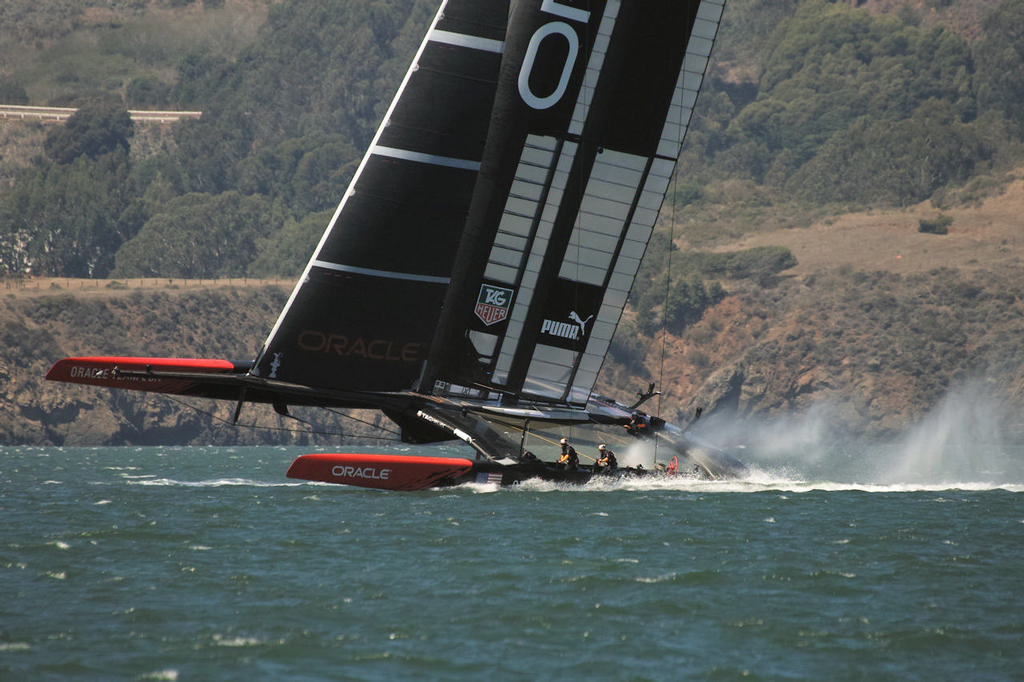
(388,472)
(127,372)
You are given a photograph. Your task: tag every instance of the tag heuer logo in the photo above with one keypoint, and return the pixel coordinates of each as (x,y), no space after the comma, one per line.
(493,303)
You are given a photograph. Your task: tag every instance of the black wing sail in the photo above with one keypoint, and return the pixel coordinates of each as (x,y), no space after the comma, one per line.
(364,311)
(491,235)
(590,114)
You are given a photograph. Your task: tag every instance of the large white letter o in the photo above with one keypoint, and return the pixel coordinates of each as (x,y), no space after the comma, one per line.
(545,102)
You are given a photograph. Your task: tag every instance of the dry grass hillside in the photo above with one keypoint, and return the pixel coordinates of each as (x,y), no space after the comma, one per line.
(983,236)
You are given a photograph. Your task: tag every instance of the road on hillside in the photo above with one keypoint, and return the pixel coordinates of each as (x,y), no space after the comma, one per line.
(63,113)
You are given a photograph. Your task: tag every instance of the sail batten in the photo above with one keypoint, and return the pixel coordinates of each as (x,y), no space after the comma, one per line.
(431,159)
(466,40)
(408,276)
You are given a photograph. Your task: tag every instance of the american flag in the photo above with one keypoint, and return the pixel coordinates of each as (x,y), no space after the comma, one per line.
(481,477)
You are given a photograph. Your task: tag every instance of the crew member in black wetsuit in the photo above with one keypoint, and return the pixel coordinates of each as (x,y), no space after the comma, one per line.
(569,459)
(637,425)
(606,462)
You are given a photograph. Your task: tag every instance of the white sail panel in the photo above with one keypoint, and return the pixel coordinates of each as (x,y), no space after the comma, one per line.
(543,158)
(711,10)
(594,66)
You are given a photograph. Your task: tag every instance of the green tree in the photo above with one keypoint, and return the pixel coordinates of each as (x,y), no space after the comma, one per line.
(898,163)
(12,93)
(1000,59)
(686,302)
(199,235)
(628,348)
(831,65)
(65,220)
(286,251)
(147,91)
(308,174)
(93,130)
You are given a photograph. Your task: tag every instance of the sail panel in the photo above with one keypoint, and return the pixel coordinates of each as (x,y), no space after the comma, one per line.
(424,120)
(391,196)
(380,342)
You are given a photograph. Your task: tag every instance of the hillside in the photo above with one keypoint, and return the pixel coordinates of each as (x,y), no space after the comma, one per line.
(867,340)
(980,237)
(877,321)
(812,108)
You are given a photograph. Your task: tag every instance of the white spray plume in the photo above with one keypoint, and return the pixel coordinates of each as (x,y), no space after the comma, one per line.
(963,439)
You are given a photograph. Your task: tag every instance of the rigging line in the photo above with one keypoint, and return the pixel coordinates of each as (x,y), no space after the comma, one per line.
(680,132)
(341,414)
(317,432)
(664,310)
(551,441)
(619,441)
(534,434)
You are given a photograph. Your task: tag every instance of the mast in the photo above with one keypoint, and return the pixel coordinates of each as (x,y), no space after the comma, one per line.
(504,142)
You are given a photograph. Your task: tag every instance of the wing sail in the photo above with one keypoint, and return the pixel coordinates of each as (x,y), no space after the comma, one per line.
(585,161)
(489,240)
(365,309)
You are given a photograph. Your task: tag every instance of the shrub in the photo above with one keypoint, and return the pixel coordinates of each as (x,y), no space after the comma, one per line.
(147,91)
(756,263)
(938,225)
(628,349)
(687,301)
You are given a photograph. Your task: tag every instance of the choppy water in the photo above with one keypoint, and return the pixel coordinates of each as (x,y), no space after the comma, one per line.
(208,564)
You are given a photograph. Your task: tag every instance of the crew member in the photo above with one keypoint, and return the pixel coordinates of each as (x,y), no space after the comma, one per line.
(569,460)
(606,462)
(637,425)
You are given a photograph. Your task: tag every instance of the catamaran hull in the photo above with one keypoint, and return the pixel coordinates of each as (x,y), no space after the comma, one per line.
(386,472)
(406,472)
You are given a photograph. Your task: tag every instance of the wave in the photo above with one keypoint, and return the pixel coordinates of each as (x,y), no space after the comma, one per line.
(757,482)
(212,483)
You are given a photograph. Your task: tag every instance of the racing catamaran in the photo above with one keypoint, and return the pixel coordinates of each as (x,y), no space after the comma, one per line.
(471,279)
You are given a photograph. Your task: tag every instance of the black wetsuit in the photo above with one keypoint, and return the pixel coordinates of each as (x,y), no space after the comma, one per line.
(569,460)
(607,463)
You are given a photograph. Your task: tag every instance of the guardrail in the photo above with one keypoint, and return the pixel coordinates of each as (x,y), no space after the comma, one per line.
(63,113)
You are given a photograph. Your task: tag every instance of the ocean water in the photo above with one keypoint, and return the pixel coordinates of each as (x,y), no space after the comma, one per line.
(208,564)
